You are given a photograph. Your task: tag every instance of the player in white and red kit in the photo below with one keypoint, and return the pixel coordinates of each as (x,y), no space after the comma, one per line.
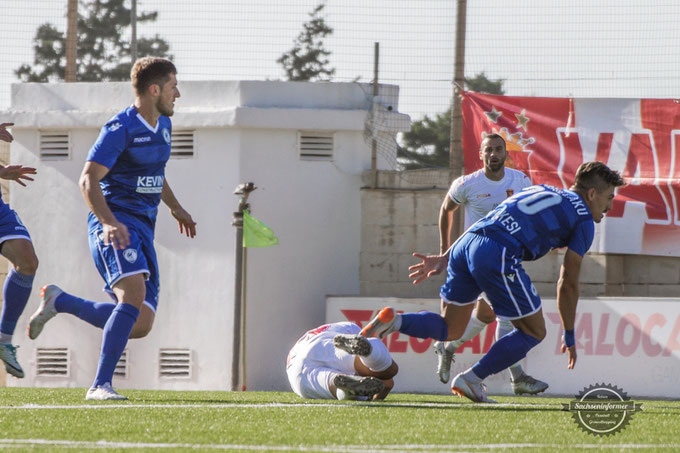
(334,362)
(479,193)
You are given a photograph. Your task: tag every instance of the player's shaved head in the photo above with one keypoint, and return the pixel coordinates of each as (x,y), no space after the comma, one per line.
(493,136)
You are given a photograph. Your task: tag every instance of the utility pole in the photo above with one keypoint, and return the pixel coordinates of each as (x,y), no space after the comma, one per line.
(133,26)
(71,40)
(456,162)
(374,144)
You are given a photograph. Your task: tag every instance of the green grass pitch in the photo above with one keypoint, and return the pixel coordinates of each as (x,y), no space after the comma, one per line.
(60,419)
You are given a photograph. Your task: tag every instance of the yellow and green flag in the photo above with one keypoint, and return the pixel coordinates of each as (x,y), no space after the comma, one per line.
(256,233)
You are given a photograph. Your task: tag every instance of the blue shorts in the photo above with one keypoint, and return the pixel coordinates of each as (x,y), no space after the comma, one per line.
(138,258)
(479,264)
(10,225)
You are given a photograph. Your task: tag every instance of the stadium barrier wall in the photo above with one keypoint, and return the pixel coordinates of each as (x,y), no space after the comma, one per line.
(633,344)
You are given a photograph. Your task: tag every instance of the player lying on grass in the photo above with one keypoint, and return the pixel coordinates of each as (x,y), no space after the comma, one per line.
(334,362)
(488,258)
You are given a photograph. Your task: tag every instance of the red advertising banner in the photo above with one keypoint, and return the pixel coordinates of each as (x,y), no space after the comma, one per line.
(633,344)
(548,138)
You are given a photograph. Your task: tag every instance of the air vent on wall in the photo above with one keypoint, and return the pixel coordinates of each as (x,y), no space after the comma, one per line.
(182,144)
(53,362)
(175,363)
(315,146)
(54,145)
(121,370)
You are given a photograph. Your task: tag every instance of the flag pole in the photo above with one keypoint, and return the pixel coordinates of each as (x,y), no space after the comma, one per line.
(242,190)
(243,319)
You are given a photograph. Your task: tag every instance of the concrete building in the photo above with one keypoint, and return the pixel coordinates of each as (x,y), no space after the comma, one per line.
(302,144)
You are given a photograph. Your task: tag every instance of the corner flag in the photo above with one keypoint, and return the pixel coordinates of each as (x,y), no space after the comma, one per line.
(256,233)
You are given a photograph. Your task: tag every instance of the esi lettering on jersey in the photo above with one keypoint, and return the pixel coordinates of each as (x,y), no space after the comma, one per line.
(508,221)
(149,184)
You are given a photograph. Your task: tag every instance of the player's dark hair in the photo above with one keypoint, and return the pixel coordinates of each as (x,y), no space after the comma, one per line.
(493,136)
(149,71)
(596,175)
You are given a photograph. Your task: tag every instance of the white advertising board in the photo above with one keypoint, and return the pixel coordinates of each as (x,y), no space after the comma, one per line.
(633,344)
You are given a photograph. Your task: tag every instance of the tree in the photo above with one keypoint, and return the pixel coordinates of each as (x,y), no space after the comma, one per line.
(103,53)
(307,60)
(427,144)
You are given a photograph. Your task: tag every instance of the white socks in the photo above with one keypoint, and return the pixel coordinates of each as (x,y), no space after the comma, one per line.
(470,376)
(472,330)
(379,359)
(5,338)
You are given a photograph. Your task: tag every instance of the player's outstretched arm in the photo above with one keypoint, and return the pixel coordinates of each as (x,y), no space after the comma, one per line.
(429,266)
(5,136)
(186,223)
(17,173)
(567,299)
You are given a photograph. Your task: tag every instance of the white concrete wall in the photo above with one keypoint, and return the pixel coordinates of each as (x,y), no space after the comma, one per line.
(314,209)
(244,131)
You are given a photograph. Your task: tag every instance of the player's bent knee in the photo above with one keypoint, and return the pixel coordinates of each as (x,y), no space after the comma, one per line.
(484,313)
(23,258)
(541,333)
(144,323)
(27,266)
(389,373)
(485,317)
(140,331)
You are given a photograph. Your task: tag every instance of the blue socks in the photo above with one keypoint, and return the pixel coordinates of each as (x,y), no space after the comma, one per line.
(115,337)
(117,321)
(424,324)
(95,313)
(508,350)
(16,291)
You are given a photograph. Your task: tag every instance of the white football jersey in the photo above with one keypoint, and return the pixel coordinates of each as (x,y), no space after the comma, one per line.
(479,195)
(314,360)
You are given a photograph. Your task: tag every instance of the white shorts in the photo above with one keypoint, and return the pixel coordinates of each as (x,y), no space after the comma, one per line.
(314,361)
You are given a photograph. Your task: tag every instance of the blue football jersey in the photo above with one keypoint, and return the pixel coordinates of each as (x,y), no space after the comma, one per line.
(136,154)
(539,219)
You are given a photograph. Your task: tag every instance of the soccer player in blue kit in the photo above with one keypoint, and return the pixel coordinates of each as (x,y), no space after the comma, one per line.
(16,246)
(488,258)
(123,182)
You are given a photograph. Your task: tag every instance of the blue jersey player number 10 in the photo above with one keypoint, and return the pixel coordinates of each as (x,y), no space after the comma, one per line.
(488,258)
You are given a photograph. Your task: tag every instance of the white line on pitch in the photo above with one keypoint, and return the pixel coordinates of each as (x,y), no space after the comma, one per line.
(324,448)
(275,405)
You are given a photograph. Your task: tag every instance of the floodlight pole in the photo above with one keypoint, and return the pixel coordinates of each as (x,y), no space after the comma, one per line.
(456,160)
(71,73)
(374,144)
(133,31)
(242,190)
